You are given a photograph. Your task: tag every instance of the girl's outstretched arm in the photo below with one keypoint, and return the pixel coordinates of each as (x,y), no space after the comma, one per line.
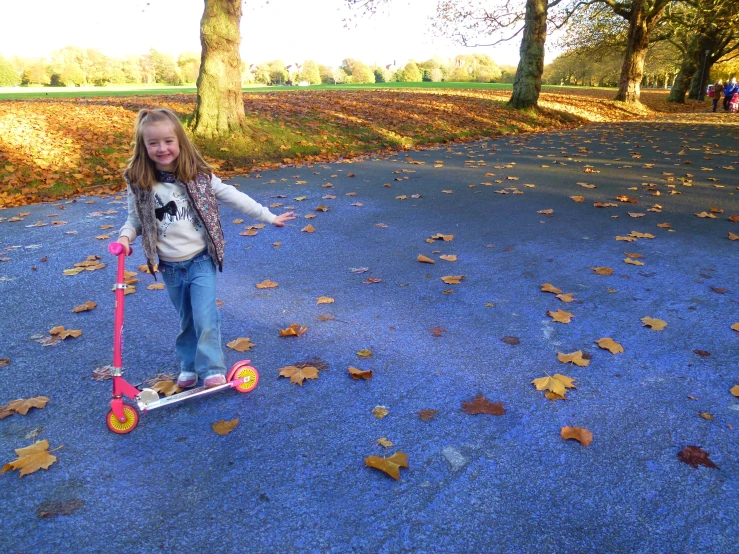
(282,218)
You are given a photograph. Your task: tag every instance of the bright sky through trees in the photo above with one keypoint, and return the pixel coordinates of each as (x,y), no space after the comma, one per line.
(291,30)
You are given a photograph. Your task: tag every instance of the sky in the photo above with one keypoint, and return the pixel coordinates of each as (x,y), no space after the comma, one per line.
(290,30)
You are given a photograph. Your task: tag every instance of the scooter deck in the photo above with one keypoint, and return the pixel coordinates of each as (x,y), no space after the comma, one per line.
(192,393)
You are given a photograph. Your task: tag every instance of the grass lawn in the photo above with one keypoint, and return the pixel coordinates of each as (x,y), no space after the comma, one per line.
(56,147)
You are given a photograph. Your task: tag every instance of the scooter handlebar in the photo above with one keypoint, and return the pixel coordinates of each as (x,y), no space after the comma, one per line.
(116,248)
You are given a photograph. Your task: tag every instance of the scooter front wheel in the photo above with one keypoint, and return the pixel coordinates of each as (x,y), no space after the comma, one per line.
(127,425)
(251,374)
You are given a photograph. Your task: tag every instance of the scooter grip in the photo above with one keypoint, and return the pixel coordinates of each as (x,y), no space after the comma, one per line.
(116,248)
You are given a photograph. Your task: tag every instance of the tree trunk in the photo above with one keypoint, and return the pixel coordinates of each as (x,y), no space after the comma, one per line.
(220,104)
(632,69)
(698,82)
(687,70)
(527,83)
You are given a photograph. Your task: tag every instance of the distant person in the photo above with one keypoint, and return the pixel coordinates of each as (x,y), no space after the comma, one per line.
(173,204)
(729,89)
(718,89)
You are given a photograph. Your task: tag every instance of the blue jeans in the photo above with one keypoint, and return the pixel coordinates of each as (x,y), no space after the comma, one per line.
(191,285)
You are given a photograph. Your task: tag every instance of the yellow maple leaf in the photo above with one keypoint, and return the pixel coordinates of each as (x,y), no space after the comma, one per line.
(294,330)
(548,287)
(580,434)
(424,259)
(573,357)
(31,458)
(299,374)
(242,344)
(560,316)
(654,324)
(223,427)
(609,344)
(556,384)
(390,465)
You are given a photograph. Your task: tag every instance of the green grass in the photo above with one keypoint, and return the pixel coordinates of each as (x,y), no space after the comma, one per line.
(24,93)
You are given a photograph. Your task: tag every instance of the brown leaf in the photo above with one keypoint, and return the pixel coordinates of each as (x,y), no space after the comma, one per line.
(267,284)
(734,390)
(63,333)
(578,198)
(294,330)
(560,316)
(481,405)
(53,508)
(31,458)
(21,406)
(4,362)
(428,415)
(702,353)
(223,427)
(324,300)
(380,411)
(609,344)
(580,434)
(360,374)
(441,236)
(384,442)
(89,305)
(695,456)
(602,270)
(308,229)
(576,358)
(547,287)
(566,298)
(167,388)
(453,279)
(448,257)
(364,353)
(556,384)
(511,340)
(241,344)
(390,465)
(437,331)
(299,374)
(424,259)
(654,324)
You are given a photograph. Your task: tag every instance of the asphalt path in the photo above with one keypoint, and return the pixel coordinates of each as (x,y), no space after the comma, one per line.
(291,476)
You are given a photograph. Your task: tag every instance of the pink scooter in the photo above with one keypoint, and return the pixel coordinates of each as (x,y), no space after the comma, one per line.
(122,418)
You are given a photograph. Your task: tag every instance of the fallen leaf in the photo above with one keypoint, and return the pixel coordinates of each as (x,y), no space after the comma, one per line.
(702,353)
(167,387)
(609,344)
(732,236)
(547,287)
(54,508)
(428,415)
(384,442)
(241,344)
(633,262)
(87,306)
(706,416)
(556,384)
(560,316)
(31,458)
(695,456)
(360,374)
(654,324)
(511,340)
(380,411)
(63,333)
(448,257)
(566,297)
(324,300)
(437,331)
(602,270)
(424,259)
(155,286)
(580,434)
(223,427)
(390,465)
(453,279)
(21,406)
(481,405)
(364,353)
(573,357)
(578,198)
(734,390)
(294,330)
(308,229)
(299,374)
(267,284)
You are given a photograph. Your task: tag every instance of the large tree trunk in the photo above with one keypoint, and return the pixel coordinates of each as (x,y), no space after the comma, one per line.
(698,82)
(220,105)
(527,83)
(632,70)
(687,70)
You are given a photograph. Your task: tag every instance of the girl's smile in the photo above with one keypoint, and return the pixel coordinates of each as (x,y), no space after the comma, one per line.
(162,145)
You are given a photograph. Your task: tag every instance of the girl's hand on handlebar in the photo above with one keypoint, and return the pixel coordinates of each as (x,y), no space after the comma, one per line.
(126,244)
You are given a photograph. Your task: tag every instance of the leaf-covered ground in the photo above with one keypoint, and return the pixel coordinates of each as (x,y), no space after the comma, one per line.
(57,148)
(605,429)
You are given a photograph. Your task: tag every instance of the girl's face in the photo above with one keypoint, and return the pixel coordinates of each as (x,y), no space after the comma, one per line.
(162,145)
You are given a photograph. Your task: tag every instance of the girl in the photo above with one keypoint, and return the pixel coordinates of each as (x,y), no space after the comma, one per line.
(172,204)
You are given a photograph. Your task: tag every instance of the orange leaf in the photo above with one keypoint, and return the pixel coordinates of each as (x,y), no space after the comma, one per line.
(609,344)
(22,406)
(560,316)
(453,279)
(360,374)
(267,284)
(547,287)
(299,374)
(241,344)
(580,434)
(89,305)
(602,270)
(573,357)
(223,427)
(294,330)
(424,259)
(481,405)
(390,465)
(654,324)
(31,458)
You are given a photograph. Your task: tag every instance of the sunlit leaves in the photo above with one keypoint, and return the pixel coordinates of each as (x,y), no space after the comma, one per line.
(611,345)
(576,358)
(31,458)
(390,465)
(556,385)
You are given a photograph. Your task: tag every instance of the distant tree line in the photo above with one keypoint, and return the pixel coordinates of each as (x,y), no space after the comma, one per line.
(74,66)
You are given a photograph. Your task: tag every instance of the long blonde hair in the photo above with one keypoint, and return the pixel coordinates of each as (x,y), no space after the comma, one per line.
(141,168)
